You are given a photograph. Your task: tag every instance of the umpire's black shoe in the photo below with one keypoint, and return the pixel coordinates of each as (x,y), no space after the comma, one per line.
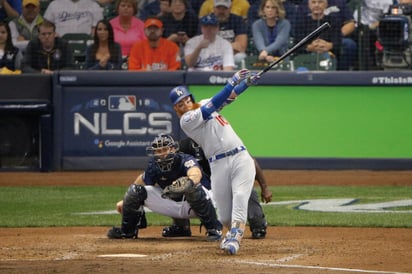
(259,233)
(176,231)
(117,233)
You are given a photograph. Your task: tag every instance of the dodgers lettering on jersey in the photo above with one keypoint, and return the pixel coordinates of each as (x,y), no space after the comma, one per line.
(66,16)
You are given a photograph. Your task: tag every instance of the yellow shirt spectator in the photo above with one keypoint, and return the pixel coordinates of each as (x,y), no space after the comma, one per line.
(238,7)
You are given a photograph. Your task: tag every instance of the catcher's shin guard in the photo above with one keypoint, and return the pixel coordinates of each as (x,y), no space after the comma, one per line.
(133,216)
(206,212)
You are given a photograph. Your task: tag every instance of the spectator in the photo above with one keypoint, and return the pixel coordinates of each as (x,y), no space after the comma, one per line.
(48,52)
(343,15)
(150,8)
(10,56)
(372,11)
(104,53)
(238,7)
(232,28)
(164,167)
(155,53)
(126,27)
(180,24)
(329,41)
(208,51)
(164,8)
(74,16)
(271,32)
(25,27)
(9,9)
(289,6)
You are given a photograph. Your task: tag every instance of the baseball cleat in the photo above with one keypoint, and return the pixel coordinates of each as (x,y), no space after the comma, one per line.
(117,233)
(213,235)
(225,240)
(176,231)
(231,247)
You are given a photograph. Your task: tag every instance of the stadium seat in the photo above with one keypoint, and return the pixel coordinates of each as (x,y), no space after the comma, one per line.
(313,61)
(78,43)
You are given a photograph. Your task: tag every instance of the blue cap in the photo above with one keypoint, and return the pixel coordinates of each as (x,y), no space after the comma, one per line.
(178,93)
(210,19)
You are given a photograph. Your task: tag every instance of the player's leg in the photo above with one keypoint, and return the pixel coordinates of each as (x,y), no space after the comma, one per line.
(167,207)
(133,216)
(222,191)
(256,217)
(243,171)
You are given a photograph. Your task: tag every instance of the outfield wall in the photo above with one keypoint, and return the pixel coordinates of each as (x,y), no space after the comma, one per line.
(312,120)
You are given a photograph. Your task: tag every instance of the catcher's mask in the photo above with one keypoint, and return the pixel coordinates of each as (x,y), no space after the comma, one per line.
(163,150)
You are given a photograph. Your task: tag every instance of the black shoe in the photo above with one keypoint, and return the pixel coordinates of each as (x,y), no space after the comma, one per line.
(176,231)
(116,233)
(259,233)
(213,235)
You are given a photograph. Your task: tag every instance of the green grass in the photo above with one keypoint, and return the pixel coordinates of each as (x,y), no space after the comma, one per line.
(58,206)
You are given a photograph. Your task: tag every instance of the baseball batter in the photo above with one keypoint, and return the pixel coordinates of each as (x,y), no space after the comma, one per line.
(255,214)
(232,167)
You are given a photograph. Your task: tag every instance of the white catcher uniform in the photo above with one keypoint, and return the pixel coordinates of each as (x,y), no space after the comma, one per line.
(232,167)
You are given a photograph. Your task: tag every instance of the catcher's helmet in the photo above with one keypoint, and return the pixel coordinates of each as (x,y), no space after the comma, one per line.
(178,93)
(162,152)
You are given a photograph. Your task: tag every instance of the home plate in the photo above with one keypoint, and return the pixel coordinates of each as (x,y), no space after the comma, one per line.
(125,255)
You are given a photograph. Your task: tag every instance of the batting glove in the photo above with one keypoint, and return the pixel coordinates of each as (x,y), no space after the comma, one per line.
(239,76)
(252,79)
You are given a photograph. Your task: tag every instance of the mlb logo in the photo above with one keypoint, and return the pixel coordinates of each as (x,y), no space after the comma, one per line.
(122,102)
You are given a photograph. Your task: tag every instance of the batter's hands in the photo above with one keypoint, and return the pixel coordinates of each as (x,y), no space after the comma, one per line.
(266,195)
(239,76)
(252,79)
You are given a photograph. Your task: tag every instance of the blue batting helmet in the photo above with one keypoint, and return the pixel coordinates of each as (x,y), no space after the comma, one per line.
(178,93)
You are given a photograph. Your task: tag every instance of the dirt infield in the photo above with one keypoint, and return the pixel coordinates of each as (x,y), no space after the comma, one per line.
(285,250)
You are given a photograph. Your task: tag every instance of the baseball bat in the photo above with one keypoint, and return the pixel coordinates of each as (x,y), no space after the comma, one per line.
(301,43)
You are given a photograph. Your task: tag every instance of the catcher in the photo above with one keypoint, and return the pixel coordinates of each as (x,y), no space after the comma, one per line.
(171,185)
(255,215)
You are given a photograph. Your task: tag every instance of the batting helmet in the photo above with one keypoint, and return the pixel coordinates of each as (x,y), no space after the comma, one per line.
(162,152)
(178,93)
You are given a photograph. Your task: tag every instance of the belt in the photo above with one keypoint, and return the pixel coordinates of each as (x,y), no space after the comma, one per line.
(227,153)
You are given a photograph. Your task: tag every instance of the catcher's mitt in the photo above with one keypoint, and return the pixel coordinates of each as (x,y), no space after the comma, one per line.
(179,187)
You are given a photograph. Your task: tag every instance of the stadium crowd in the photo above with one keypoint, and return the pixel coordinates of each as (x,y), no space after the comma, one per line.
(206,34)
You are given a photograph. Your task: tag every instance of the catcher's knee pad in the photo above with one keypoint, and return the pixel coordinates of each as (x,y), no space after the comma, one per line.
(134,197)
